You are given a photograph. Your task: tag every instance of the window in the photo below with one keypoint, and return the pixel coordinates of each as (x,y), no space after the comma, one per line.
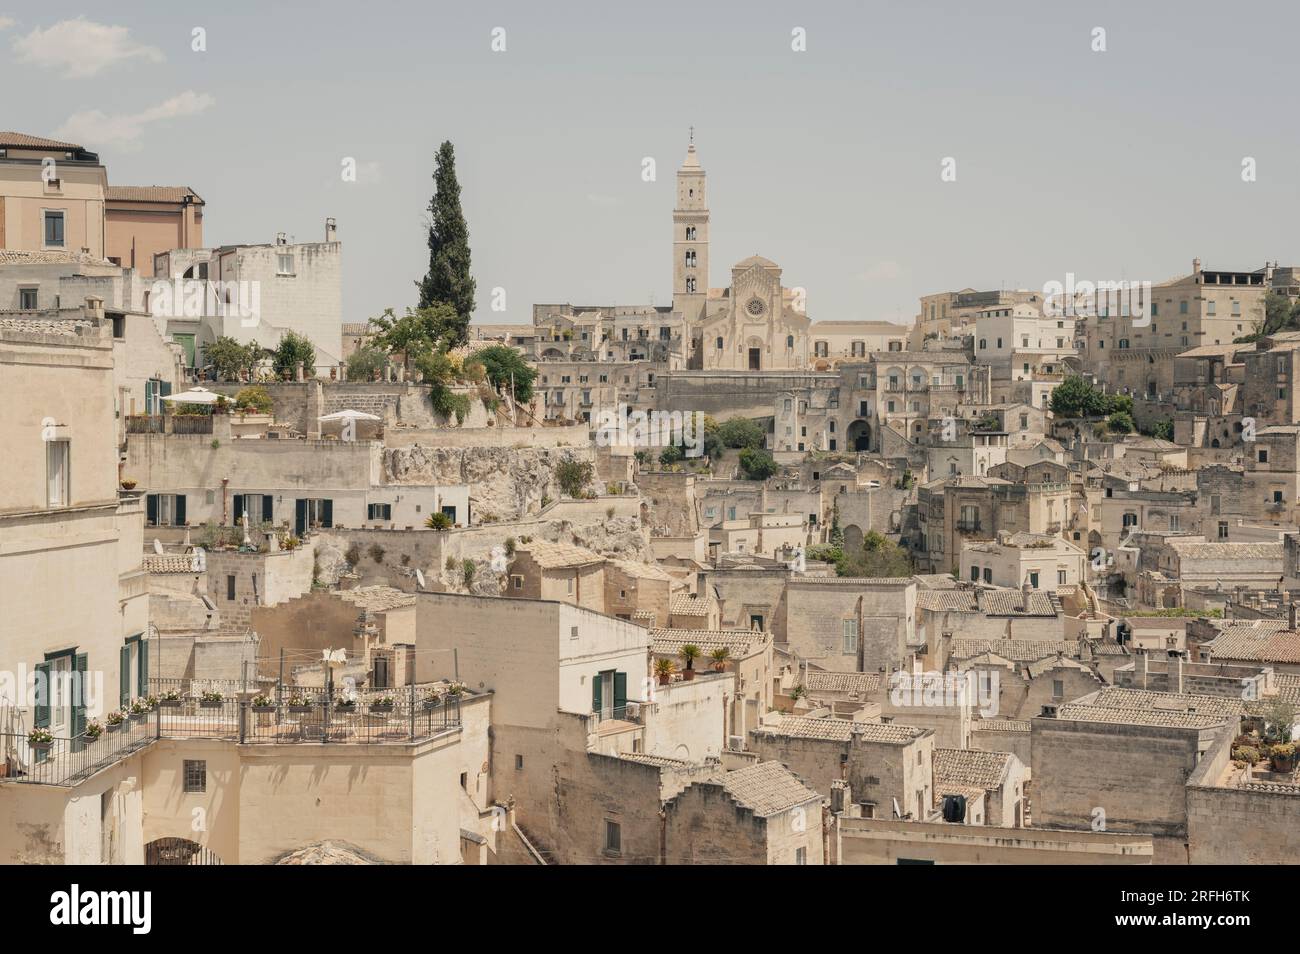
(56,469)
(27,299)
(517,582)
(1033,580)
(1182,309)
(1263,456)
(1209,307)
(230,586)
(1277,496)
(718,343)
(379,511)
(573,632)
(613,836)
(196,775)
(54,230)
(284,264)
(849,635)
(1060,576)
(1130,520)
(1058,689)
(988,575)
(975,574)
(801,856)
(1223,529)
(519,763)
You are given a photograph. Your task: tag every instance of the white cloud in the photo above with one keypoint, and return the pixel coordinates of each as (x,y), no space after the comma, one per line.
(80,48)
(95,129)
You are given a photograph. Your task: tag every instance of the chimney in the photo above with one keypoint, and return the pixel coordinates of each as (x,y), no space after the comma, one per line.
(1025,590)
(1196,266)
(280,239)
(94,308)
(1291,608)
(331,230)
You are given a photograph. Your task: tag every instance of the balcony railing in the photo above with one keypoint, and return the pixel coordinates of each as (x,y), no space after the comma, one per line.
(409,716)
(969,526)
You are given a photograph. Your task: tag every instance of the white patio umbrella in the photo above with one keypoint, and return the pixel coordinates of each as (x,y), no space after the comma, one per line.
(195,395)
(349,415)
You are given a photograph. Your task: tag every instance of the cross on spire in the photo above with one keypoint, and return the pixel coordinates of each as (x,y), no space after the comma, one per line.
(692,134)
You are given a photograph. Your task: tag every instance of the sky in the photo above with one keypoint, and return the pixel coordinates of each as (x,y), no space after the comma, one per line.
(1123,163)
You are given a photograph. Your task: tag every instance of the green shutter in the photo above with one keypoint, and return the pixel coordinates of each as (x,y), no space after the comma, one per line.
(620,691)
(41,719)
(268,508)
(151,508)
(327,513)
(595,692)
(238,508)
(79,681)
(124,677)
(180,510)
(144,666)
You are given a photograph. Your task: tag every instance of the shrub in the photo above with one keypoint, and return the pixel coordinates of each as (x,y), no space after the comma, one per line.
(376,553)
(510,546)
(467,573)
(573,475)
(438,521)
(353,554)
(365,363)
(254,398)
(1245,753)
(756,464)
(450,564)
(740,432)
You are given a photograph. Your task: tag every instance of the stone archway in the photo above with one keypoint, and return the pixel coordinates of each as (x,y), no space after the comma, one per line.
(860,435)
(853,538)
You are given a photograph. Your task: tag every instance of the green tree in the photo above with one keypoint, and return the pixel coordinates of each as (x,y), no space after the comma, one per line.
(505,366)
(416,333)
(671,455)
(741,432)
(756,464)
(364,363)
(448,279)
(1075,397)
(573,476)
(229,358)
(878,557)
(1121,422)
(292,350)
(254,398)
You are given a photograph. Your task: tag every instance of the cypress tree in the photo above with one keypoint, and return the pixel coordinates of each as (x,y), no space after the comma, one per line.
(448,280)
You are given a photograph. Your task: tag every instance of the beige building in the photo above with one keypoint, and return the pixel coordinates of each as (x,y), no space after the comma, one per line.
(1037,560)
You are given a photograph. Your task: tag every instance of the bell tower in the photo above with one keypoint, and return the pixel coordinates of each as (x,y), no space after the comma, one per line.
(691,240)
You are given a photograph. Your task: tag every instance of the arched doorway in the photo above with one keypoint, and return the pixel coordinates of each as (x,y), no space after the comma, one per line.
(860,435)
(178,851)
(852,538)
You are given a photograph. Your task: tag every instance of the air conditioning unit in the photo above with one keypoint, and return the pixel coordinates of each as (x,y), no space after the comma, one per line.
(735,743)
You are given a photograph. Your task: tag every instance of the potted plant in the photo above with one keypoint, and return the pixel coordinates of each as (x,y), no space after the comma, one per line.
(719,657)
(128,485)
(211,699)
(300,702)
(1282,756)
(40,740)
(345,704)
(690,652)
(798,692)
(138,710)
(93,731)
(382,704)
(664,669)
(170,699)
(113,721)
(456,689)
(432,698)
(262,703)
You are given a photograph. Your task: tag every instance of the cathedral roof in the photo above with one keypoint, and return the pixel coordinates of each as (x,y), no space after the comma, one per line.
(756,260)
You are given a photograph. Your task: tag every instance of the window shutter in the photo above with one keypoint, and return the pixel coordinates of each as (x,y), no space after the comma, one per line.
(180,510)
(151,508)
(595,692)
(268,508)
(238,507)
(620,690)
(144,666)
(124,677)
(299,516)
(327,513)
(79,701)
(41,719)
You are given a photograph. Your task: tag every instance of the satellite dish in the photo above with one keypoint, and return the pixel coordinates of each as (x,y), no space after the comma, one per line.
(419,577)
(157,546)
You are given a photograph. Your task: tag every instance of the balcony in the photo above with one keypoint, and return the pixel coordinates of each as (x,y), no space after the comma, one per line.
(292,715)
(970,526)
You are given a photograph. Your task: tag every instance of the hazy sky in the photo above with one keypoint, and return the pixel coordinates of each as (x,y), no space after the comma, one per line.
(1120,164)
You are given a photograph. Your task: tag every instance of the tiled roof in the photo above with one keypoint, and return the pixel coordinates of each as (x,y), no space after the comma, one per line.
(168,563)
(1265,644)
(767,789)
(862,683)
(1184,720)
(1000,725)
(687,604)
(740,642)
(644,571)
(1017,603)
(1227,552)
(970,767)
(1117,697)
(149,193)
(377,598)
(551,556)
(842,730)
(853,580)
(1016,650)
(66,327)
(645,759)
(945,787)
(14,256)
(1271,788)
(17,140)
(943,601)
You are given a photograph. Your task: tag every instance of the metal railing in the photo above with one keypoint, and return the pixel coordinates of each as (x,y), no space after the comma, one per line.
(409,717)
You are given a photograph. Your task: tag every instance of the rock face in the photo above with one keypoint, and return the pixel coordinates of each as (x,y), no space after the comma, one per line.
(330,563)
(505,482)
